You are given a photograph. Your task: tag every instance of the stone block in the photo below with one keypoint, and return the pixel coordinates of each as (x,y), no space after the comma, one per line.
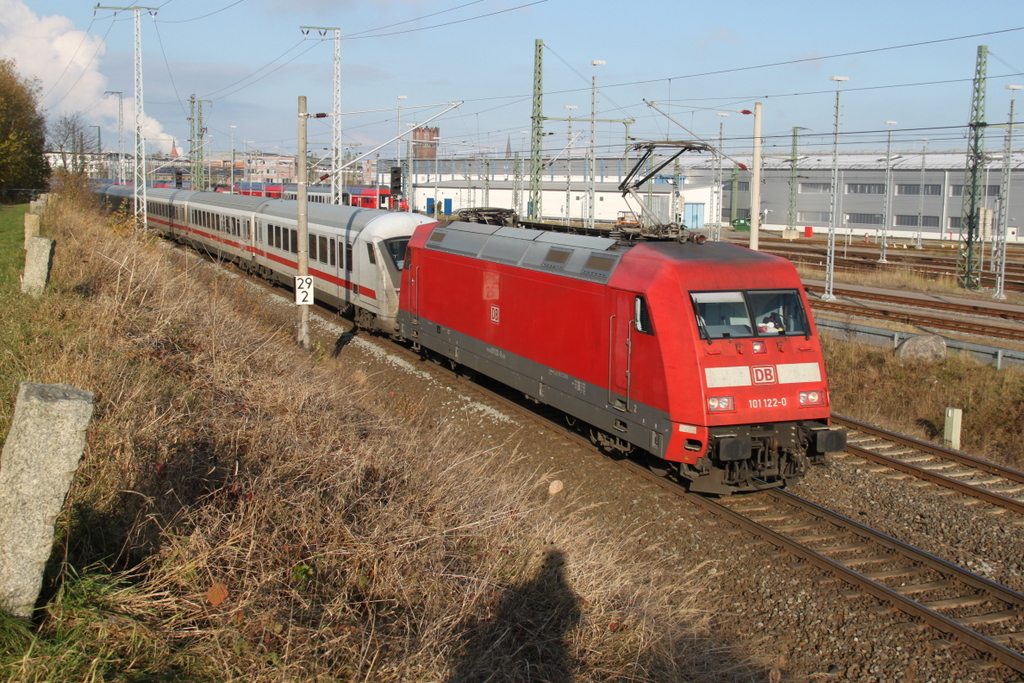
(31,226)
(922,347)
(39,461)
(38,260)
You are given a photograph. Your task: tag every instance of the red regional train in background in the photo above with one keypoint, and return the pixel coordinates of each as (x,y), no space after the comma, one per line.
(702,356)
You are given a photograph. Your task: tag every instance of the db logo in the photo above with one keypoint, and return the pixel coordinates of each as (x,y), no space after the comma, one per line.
(764,374)
(495,315)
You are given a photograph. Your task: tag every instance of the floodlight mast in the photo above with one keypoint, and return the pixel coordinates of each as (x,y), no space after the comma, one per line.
(661,227)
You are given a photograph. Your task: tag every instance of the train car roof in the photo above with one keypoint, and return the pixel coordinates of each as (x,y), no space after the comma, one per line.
(576,256)
(331,215)
(220,200)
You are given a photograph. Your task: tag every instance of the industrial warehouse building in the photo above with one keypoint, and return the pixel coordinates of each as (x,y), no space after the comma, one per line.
(925,191)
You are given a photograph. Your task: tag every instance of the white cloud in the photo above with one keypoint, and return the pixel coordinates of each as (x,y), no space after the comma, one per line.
(67,63)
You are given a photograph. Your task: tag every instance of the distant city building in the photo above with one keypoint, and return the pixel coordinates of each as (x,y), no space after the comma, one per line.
(425,141)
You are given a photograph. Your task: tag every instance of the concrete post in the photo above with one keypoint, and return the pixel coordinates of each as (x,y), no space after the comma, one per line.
(31,226)
(39,461)
(951,433)
(38,259)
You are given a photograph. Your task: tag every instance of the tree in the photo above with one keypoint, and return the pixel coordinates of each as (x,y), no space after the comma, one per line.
(23,163)
(67,138)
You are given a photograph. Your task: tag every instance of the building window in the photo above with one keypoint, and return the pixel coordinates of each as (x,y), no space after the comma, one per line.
(908,221)
(812,216)
(912,189)
(864,218)
(958,190)
(864,188)
(815,188)
(954,222)
(741,186)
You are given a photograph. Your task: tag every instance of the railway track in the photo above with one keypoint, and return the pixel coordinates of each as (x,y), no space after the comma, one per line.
(987,481)
(970,608)
(856,259)
(974,610)
(960,307)
(914,319)
(959,603)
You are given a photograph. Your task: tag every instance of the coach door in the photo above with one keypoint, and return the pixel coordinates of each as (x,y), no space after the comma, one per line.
(620,350)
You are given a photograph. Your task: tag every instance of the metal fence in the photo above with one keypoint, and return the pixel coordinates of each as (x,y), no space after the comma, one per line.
(875,336)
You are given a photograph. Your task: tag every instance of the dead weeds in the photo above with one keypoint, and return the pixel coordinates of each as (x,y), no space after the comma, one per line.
(247,511)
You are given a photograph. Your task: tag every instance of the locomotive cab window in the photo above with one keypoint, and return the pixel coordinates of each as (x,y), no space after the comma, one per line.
(395,248)
(761,313)
(722,315)
(778,312)
(642,316)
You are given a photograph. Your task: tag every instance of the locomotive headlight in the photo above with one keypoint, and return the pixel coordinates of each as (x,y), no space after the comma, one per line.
(812,398)
(759,347)
(720,404)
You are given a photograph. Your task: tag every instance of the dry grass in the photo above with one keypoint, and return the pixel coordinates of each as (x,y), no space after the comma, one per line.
(870,384)
(247,511)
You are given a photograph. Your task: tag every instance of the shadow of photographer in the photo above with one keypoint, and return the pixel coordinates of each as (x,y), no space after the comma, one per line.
(525,639)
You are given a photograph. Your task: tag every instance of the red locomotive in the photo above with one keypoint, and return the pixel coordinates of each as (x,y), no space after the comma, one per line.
(701,355)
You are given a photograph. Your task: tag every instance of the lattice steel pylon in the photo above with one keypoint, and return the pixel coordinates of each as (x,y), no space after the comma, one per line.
(139,176)
(967,270)
(197,132)
(336,160)
(793,159)
(517,185)
(533,207)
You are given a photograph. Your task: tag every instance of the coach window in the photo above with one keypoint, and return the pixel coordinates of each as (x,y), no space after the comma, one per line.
(348,257)
(295,242)
(322,251)
(331,242)
(642,316)
(277,236)
(312,248)
(369,252)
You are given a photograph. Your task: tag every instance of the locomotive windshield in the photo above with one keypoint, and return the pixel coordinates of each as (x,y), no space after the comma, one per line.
(753,313)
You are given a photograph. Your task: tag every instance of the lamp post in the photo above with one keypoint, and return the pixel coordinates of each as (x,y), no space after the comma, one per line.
(593,143)
(886,201)
(755,182)
(568,162)
(120,133)
(718,198)
(398,142)
(920,203)
(99,146)
(233,159)
(830,262)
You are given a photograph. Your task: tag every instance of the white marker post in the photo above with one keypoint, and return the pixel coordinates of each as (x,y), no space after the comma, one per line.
(304,290)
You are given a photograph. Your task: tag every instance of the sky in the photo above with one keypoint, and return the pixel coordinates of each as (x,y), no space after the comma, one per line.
(700,63)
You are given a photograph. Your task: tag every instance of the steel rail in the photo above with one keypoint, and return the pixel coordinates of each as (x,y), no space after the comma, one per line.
(995,650)
(930,448)
(918,319)
(940,622)
(979,309)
